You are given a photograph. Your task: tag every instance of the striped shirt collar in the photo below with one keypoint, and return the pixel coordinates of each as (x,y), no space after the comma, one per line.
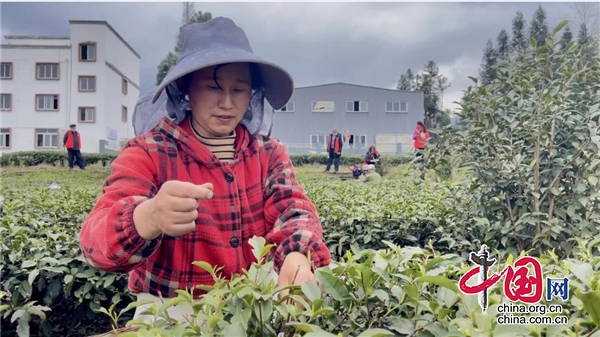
(222,147)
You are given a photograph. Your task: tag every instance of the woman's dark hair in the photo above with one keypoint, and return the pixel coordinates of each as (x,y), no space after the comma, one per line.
(422,125)
(255,75)
(257,99)
(372,147)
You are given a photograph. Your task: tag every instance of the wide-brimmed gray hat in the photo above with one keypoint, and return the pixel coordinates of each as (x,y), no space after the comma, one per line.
(219,41)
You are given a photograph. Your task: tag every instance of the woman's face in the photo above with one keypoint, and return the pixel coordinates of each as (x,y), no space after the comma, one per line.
(217,111)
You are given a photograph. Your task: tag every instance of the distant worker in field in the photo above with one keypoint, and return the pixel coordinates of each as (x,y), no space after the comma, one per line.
(72,142)
(371,176)
(357,172)
(372,156)
(334,148)
(420,137)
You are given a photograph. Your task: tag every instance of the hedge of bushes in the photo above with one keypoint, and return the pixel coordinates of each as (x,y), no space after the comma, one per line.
(59,158)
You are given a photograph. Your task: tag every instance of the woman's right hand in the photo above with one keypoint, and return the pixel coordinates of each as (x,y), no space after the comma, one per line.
(173,211)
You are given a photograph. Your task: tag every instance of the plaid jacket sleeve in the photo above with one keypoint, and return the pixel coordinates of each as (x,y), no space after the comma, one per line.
(296,225)
(108,237)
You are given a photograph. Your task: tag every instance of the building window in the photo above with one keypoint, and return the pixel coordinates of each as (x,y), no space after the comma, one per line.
(47,71)
(357,106)
(124,113)
(87,114)
(396,106)
(5,135)
(323,106)
(317,139)
(46,138)
(5,102)
(6,70)
(87,83)
(289,107)
(350,140)
(87,52)
(46,102)
(361,141)
(124,86)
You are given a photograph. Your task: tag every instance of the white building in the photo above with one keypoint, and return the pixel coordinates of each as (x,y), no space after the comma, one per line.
(90,78)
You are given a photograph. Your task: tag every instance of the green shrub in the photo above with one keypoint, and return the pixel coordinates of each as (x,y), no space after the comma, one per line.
(54,158)
(531,144)
(357,216)
(392,292)
(59,158)
(40,230)
(42,267)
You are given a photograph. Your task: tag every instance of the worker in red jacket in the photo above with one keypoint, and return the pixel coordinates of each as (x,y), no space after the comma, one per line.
(334,149)
(205,180)
(420,138)
(72,142)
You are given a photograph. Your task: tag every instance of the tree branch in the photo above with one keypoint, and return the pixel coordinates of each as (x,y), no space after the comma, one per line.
(564,169)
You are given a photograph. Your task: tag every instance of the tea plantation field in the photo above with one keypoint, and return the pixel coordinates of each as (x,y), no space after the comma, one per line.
(399,247)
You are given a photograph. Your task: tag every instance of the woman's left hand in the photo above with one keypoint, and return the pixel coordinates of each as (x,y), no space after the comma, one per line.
(296,269)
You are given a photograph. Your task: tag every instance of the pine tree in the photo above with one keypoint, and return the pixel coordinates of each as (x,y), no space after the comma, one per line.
(503,44)
(188,16)
(519,40)
(590,51)
(432,83)
(539,26)
(487,73)
(566,38)
(404,83)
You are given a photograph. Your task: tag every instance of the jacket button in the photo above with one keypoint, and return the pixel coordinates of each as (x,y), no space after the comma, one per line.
(229,177)
(234,242)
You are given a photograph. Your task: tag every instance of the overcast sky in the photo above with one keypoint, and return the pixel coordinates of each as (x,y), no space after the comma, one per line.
(360,43)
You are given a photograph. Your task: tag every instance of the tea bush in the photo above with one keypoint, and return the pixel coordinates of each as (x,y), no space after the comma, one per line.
(42,265)
(531,143)
(54,158)
(356,216)
(59,158)
(392,292)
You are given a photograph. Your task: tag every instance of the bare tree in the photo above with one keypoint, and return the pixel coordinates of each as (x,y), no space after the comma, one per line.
(188,13)
(588,13)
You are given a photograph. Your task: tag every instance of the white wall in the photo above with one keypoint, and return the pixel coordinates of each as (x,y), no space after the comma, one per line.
(127,65)
(107,99)
(23,119)
(11,39)
(91,133)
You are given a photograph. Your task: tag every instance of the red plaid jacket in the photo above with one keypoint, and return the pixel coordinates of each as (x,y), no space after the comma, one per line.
(257,194)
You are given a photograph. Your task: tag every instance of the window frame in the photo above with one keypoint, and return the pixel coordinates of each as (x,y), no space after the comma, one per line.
(10,99)
(37,72)
(81,44)
(80,77)
(399,107)
(319,137)
(37,108)
(93,120)
(312,107)
(35,132)
(11,70)
(124,113)
(359,104)
(9,138)
(293,103)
